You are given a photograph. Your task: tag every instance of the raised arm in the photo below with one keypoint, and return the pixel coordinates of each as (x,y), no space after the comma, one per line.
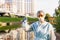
(25,25)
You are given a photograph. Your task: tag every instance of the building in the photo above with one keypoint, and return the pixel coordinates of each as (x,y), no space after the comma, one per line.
(12,5)
(29,7)
(20,7)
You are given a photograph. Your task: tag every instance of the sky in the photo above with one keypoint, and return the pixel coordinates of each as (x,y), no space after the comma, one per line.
(48,6)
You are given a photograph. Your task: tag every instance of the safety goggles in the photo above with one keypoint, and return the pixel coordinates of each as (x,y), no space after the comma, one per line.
(40,15)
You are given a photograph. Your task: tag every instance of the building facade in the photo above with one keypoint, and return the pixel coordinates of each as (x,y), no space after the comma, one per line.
(20,7)
(29,7)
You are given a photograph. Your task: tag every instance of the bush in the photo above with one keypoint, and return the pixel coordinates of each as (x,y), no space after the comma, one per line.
(31,20)
(9,19)
(14,26)
(9,27)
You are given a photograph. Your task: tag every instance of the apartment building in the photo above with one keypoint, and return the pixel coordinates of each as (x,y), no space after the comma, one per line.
(20,7)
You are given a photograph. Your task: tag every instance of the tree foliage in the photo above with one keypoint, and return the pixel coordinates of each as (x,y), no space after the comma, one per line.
(47,16)
(57,25)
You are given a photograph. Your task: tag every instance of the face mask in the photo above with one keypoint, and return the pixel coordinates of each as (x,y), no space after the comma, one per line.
(41,19)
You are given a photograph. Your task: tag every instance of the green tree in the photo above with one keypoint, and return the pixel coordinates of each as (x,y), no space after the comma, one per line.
(57,11)
(57,25)
(47,16)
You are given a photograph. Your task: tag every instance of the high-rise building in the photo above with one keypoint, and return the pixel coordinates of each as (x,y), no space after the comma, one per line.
(28,6)
(2,6)
(12,5)
(20,7)
(25,7)
(8,4)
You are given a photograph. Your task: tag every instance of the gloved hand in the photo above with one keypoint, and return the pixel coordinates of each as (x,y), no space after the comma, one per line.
(24,22)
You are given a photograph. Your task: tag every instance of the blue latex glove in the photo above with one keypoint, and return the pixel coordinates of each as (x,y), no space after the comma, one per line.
(24,22)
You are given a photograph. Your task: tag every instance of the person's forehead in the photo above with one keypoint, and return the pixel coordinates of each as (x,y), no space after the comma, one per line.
(41,13)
